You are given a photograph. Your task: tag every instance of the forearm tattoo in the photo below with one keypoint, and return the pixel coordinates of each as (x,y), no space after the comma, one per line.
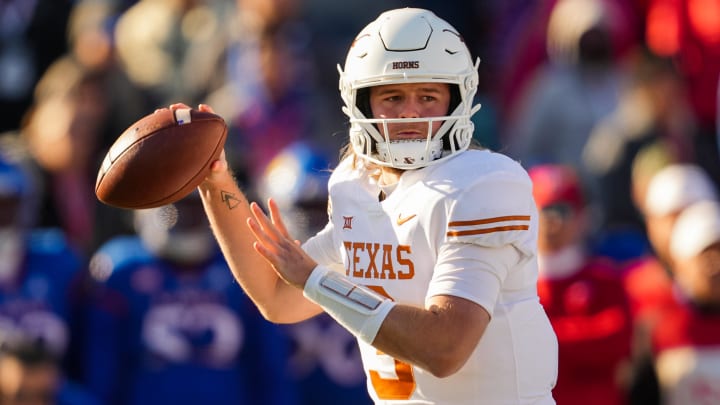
(230,199)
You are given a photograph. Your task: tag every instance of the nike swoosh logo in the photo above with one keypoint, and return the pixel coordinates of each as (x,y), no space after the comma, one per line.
(402,220)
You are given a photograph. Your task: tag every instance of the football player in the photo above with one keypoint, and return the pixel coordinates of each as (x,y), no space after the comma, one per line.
(429,254)
(169,325)
(41,274)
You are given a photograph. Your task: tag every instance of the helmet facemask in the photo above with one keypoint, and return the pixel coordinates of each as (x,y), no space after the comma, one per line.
(409,46)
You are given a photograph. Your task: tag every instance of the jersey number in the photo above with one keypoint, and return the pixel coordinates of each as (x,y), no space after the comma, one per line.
(401,387)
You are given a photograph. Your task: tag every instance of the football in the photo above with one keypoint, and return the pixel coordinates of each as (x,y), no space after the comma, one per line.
(160,159)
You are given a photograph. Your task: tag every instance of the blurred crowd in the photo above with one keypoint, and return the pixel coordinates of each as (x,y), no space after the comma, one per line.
(611,105)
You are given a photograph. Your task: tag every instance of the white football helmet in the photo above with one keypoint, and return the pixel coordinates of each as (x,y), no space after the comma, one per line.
(409,45)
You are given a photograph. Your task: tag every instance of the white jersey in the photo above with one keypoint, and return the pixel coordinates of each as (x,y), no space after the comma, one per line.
(466,227)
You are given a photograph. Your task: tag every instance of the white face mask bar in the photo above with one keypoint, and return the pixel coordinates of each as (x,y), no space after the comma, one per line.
(411,154)
(357,308)
(405,153)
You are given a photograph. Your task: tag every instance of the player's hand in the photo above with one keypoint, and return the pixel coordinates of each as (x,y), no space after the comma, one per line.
(273,242)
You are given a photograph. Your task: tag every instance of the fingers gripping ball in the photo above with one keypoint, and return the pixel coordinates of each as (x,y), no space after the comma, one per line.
(160,159)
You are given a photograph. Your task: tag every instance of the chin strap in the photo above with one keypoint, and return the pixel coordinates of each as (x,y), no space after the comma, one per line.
(410,154)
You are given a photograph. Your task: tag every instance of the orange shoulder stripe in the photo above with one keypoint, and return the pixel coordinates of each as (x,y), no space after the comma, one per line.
(495,220)
(490,220)
(489,230)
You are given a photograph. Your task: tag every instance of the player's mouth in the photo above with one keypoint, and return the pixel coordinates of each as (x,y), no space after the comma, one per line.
(409,134)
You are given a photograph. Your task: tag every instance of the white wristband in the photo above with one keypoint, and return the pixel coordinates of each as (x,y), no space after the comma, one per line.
(357,308)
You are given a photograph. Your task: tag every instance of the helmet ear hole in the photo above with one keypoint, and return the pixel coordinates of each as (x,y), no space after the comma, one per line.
(455,99)
(362,102)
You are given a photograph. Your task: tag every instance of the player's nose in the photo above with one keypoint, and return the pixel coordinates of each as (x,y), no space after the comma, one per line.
(410,109)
